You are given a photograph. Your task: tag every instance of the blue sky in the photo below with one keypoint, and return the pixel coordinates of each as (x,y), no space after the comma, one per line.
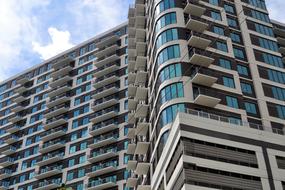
(35,30)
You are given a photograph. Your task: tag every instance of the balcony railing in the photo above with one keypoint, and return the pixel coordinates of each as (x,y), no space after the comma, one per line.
(98,182)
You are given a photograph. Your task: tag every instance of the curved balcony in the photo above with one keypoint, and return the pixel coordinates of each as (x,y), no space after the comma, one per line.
(50,158)
(102,128)
(51,146)
(193,8)
(105,91)
(104,183)
(206,97)
(48,172)
(53,133)
(102,154)
(102,169)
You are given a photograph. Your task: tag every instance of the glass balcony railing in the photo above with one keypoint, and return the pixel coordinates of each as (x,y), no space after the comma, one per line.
(98,182)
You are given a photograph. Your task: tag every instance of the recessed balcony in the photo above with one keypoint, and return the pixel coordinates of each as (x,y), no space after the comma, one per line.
(19,99)
(203,97)
(12,139)
(105,103)
(23,80)
(106,51)
(60,63)
(49,159)
(198,42)
(101,155)
(197,58)
(52,123)
(106,70)
(6,161)
(107,41)
(142,110)
(9,150)
(59,90)
(105,60)
(196,25)
(57,100)
(101,184)
(102,141)
(281,41)
(142,168)
(13,129)
(104,115)
(105,80)
(203,79)
(142,148)
(51,146)
(105,91)
(194,10)
(5,173)
(57,110)
(47,185)
(62,71)
(102,128)
(101,169)
(48,172)
(53,133)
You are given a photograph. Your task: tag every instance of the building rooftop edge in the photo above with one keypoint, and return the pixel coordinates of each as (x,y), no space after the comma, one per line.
(62,53)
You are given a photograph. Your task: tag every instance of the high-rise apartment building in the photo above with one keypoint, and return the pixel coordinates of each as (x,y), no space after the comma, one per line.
(62,122)
(206,96)
(189,94)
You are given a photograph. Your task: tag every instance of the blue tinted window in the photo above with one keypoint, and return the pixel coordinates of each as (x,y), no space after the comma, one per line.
(232,22)
(264,29)
(170,92)
(164,5)
(232,102)
(278,93)
(242,70)
(218,30)
(276,76)
(260,16)
(165,20)
(258,3)
(239,54)
(229,82)
(268,44)
(246,88)
(222,46)
(168,53)
(225,63)
(250,108)
(166,36)
(235,38)
(272,60)
(216,15)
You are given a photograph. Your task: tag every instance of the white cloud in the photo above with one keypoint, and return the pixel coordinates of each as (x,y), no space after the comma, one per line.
(60,41)
(18,28)
(275,8)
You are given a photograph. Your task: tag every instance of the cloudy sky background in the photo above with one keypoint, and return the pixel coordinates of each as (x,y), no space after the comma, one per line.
(35,30)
